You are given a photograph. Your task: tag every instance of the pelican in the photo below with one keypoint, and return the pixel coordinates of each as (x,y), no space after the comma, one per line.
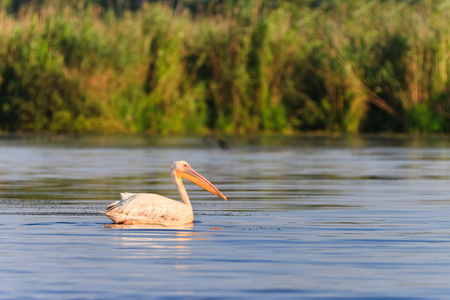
(154,209)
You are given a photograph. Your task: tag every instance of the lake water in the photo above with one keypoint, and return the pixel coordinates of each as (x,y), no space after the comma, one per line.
(307,217)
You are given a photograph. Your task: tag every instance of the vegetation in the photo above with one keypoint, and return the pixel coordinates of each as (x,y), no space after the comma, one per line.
(231,67)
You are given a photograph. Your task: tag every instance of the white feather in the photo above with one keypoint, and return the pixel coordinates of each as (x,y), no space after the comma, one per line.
(149,209)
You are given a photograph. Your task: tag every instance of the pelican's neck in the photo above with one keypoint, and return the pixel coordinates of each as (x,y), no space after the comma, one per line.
(181,189)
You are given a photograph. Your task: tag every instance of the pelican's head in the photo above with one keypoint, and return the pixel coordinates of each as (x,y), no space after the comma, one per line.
(182,169)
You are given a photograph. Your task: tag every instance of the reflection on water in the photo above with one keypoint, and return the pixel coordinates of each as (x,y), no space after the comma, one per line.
(188,226)
(154,243)
(307,217)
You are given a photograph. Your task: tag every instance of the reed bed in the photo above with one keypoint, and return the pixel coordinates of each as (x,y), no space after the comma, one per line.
(244,66)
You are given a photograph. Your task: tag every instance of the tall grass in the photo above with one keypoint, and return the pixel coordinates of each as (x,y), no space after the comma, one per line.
(347,66)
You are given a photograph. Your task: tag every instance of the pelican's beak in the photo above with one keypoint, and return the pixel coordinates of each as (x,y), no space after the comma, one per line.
(192,175)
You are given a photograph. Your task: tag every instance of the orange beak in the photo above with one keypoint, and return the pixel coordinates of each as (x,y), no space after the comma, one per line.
(201,181)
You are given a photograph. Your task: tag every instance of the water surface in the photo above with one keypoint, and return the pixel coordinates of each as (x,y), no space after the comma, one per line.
(307,217)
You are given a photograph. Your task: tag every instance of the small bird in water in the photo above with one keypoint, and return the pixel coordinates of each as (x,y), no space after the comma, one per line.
(146,208)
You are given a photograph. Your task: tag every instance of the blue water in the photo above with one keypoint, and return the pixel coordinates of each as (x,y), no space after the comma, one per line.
(307,217)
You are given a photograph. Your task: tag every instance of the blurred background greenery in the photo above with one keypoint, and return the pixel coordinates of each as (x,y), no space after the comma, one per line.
(233,67)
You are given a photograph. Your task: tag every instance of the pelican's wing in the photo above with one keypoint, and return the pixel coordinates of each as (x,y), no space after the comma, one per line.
(148,208)
(118,203)
(125,196)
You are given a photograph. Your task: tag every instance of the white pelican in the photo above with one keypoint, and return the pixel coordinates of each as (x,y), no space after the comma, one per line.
(155,209)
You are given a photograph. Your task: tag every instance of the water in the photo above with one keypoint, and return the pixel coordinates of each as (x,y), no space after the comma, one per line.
(307,217)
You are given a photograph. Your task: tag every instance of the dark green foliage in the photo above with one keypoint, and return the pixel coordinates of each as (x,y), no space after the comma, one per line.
(28,104)
(13,6)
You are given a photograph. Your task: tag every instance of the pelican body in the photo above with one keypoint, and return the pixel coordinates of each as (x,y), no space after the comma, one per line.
(147,208)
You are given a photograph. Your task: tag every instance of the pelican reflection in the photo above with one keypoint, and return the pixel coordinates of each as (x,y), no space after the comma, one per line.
(155,242)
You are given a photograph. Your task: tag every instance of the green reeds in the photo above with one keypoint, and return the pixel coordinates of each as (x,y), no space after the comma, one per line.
(346,66)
